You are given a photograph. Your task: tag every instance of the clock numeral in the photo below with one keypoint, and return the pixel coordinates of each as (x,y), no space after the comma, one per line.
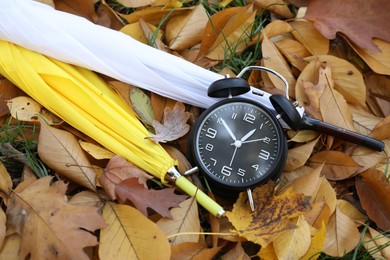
(234,115)
(209,147)
(211,132)
(226,170)
(219,120)
(264,154)
(241,172)
(266,140)
(249,118)
(215,161)
(255,166)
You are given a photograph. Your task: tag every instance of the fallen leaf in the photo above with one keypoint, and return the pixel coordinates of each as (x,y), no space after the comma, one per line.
(117,170)
(298,156)
(381,241)
(158,200)
(293,243)
(130,235)
(136,3)
(61,151)
(107,17)
(373,188)
(10,248)
(313,94)
(342,235)
(326,193)
(317,243)
(237,253)
(135,31)
(84,8)
(185,219)
(3,220)
(267,252)
(141,105)
(96,151)
(306,184)
(48,226)
(87,197)
(271,215)
(174,124)
(337,165)
(273,59)
(5,183)
(275,28)
(360,20)
(381,130)
(185,30)
(305,32)
(276,6)
(196,251)
(294,51)
(24,108)
(7,91)
(153,15)
(353,213)
(154,37)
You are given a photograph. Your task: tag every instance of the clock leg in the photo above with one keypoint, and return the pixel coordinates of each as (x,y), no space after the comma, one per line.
(250,199)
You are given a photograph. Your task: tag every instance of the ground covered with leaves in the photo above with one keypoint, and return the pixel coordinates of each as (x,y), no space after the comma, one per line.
(65,196)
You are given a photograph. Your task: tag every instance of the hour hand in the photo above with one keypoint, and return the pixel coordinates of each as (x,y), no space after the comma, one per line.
(228,129)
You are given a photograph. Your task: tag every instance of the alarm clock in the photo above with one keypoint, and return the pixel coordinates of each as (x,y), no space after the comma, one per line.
(238,143)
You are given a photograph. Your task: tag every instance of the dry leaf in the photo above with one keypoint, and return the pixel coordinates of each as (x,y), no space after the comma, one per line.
(337,165)
(7,91)
(275,28)
(3,220)
(96,151)
(381,241)
(317,243)
(185,30)
(298,156)
(308,36)
(373,188)
(271,215)
(84,8)
(130,235)
(24,108)
(236,253)
(326,193)
(193,251)
(5,183)
(153,15)
(184,219)
(381,130)
(61,151)
(10,248)
(273,59)
(49,227)
(359,20)
(352,212)
(342,235)
(136,3)
(117,170)
(158,200)
(293,243)
(174,124)
(294,51)
(277,6)
(141,105)
(154,38)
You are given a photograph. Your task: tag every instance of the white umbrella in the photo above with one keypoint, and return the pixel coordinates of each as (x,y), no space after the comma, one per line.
(75,40)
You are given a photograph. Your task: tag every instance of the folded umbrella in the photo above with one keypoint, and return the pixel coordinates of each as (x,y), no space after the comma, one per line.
(86,102)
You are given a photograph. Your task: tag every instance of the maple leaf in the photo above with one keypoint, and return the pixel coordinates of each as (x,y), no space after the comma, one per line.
(174,125)
(49,227)
(359,20)
(117,170)
(271,215)
(158,200)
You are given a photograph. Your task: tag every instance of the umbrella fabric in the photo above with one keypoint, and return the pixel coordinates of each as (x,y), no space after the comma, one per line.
(82,99)
(77,41)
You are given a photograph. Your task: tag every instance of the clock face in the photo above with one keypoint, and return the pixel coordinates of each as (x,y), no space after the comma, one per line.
(238,143)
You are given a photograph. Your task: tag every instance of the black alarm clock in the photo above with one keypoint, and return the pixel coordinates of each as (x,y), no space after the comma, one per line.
(239,143)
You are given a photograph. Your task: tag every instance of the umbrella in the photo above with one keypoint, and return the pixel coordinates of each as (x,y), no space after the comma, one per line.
(75,40)
(86,102)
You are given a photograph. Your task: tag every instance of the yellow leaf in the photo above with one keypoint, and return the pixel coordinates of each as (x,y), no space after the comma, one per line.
(184,219)
(317,243)
(381,241)
(271,215)
(10,248)
(293,243)
(342,235)
(276,6)
(305,32)
(185,30)
(319,213)
(5,182)
(294,51)
(298,156)
(267,252)
(379,62)
(96,151)
(275,28)
(306,184)
(136,3)
(142,105)
(3,220)
(273,59)
(326,193)
(24,108)
(352,212)
(130,235)
(234,37)
(153,15)
(134,30)
(61,151)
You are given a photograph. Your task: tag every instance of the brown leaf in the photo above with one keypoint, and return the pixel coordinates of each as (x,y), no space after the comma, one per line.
(308,36)
(61,151)
(108,17)
(373,189)
(237,253)
(359,20)
(84,8)
(298,156)
(174,125)
(117,170)
(49,227)
(7,92)
(338,165)
(5,183)
(195,251)
(276,6)
(381,130)
(271,215)
(158,200)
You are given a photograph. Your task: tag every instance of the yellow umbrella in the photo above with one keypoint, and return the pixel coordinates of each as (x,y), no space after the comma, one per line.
(86,102)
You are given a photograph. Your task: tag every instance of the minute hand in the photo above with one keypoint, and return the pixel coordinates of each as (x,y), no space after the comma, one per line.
(228,129)
(255,140)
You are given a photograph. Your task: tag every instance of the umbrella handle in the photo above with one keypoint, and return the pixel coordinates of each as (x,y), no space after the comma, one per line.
(188,187)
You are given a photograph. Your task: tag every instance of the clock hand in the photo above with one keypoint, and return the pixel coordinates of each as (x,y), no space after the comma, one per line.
(228,129)
(234,154)
(255,140)
(243,139)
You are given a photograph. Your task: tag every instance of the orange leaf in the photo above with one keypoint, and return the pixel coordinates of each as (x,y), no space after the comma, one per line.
(49,227)
(373,189)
